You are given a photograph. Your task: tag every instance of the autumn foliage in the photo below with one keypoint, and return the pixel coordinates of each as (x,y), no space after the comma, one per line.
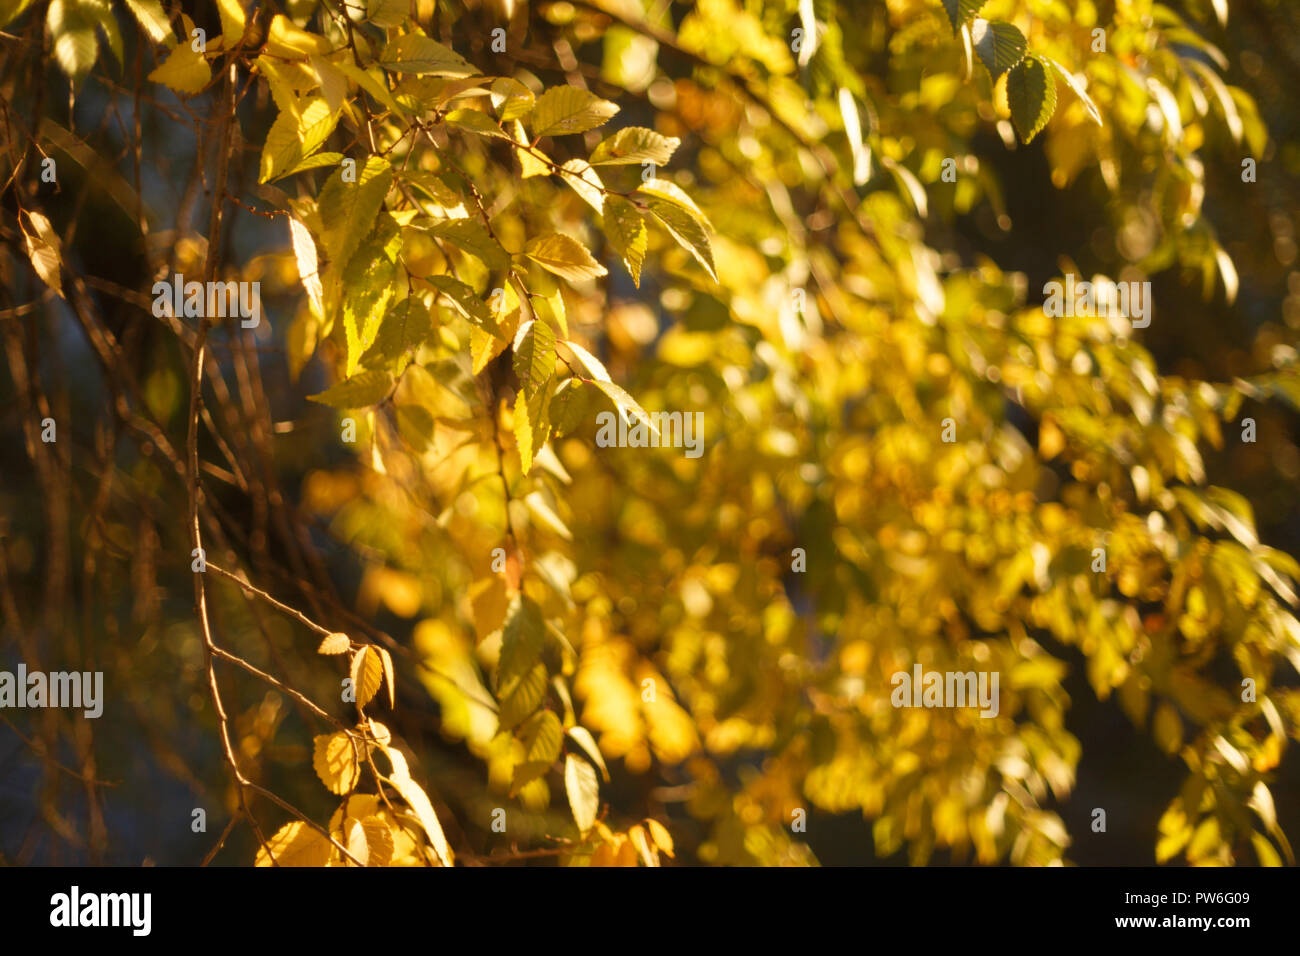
(366,585)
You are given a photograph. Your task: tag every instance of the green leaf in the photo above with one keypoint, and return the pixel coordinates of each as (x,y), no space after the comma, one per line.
(369,285)
(314,161)
(360,391)
(633,145)
(414,53)
(72,34)
(1031,94)
(294,136)
(521,641)
(466,301)
(476,121)
(541,737)
(564,256)
(961,11)
(1000,45)
(551,308)
(569,406)
(387,13)
(348,210)
(511,99)
(472,236)
(377,88)
(534,359)
(689,229)
(583,790)
(566,109)
(407,326)
(521,697)
(625,229)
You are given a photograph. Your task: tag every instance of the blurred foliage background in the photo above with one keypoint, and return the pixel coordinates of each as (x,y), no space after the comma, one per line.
(838,300)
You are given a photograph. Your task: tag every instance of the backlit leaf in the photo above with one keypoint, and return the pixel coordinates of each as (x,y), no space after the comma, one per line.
(152,19)
(418,54)
(1031,95)
(534,360)
(583,790)
(564,256)
(337,761)
(336,643)
(626,231)
(567,109)
(295,844)
(367,674)
(360,391)
(634,145)
(999,45)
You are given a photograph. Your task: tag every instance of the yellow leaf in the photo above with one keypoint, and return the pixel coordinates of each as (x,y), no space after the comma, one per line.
(627,234)
(521,697)
(388,676)
(626,854)
(523,433)
(583,790)
(304,254)
(232,21)
(185,70)
(152,19)
(1168,728)
(336,643)
(637,838)
(379,733)
(367,674)
(585,182)
(43,249)
(659,833)
(566,257)
(488,600)
(72,35)
(418,801)
(295,844)
(379,840)
(567,109)
(290,42)
(529,163)
(418,54)
(583,738)
(354,838)
(336,760)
